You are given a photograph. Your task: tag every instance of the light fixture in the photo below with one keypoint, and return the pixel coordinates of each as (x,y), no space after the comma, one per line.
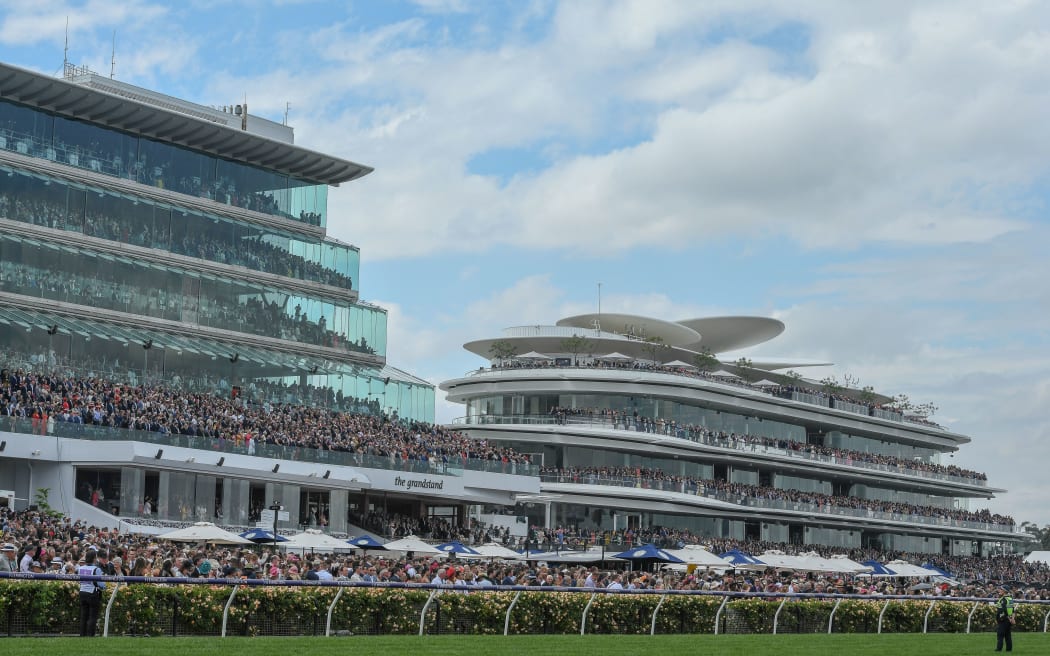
(276,467)
(3,445)
(191,459)
(160,452)
(327,473)
(221,460)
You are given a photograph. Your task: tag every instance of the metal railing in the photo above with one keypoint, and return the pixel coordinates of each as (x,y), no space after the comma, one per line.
(48,604)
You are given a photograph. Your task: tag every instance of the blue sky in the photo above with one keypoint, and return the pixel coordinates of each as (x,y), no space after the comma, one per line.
(874,175)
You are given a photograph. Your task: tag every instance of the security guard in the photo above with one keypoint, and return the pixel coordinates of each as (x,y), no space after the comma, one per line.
(90,594)
(1004,620)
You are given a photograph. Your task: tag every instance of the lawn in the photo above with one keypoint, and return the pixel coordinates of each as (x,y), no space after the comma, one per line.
(604,645)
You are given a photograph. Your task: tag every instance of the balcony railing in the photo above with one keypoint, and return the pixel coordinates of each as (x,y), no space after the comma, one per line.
(732,444)
(694,489)
(448,467)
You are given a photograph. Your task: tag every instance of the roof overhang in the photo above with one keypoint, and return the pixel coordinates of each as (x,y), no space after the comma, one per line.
(148,120)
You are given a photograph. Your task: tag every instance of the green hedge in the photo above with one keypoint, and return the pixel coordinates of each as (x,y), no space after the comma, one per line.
(43,608)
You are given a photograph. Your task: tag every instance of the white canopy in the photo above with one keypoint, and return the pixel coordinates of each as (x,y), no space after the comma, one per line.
(679,363)
(203,532)
(532,355)
(411,543)
(903,568)
(1038,557)
(314,540)
(766,383)
(694,554)
(493,550)
(722,373)
(614,356)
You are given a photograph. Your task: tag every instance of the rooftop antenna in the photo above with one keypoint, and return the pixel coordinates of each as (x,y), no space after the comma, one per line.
(113,57)
(65,51)
(287,108)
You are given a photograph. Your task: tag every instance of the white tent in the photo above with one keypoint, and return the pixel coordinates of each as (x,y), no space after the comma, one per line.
(680,364)
(203,532)
(1038,557)
(493,550)
(614,356)
(694,554)
(781,560)
(413,544)
(314,540)
(902,568)
(766,383)
(722,373)
(847,565)
(532,355)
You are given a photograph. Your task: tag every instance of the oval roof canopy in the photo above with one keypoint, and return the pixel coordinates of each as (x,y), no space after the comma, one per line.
(672,334)
(730,333)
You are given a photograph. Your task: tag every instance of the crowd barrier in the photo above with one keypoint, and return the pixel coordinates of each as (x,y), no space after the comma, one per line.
(48,604)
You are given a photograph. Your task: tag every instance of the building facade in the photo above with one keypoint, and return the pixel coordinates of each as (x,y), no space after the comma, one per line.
(636,422)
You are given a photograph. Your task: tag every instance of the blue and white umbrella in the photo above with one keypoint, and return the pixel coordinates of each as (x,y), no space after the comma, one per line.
(261,535)
(936,570)
(456,547)
(366,542)
(648,552)
(878,569)
(741,559)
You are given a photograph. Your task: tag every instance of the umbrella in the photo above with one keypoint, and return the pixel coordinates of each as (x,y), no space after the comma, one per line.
(315,540)
(615,356)
(532,355)
(693,554)
(493,550)
(922,586)
(766,383)
(456,547)
(743,560)
(366,542)
(203,532)
(261,535)
(411,543)
(877,568)
(679,363)
(936,570)
(648,552)
(722,373)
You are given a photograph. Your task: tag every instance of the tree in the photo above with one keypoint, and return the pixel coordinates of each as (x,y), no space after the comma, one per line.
(43,505)
(925,410)
(1040,535)
(867,394)
(705,360)
(849,381)
(502,350)
(653,346)
(795,376)
(576,345)
(901,403)
(745,368)
(831,385)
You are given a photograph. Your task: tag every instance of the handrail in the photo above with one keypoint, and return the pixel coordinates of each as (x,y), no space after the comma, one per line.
(652,626)
(226,609)
(109,607)
(583,620)
(776,615)
(331,608)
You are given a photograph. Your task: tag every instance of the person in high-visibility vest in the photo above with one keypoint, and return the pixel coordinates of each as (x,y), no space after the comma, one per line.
(1004,621)
(90,594)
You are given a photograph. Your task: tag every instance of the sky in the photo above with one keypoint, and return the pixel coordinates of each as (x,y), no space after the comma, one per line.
(875,175)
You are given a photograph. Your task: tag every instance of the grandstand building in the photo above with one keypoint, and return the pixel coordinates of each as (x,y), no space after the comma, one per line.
(148,240)
(641,422)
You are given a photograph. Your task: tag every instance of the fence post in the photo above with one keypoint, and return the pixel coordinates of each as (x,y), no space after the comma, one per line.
(969,618)
(831,620)
(328,623)
(109,606)
(506,620)
(776,615)
(718,615)
(883,612)
(652,627)
(926,619)
(423,613)
(1046,619)
(226,609)
(583,620)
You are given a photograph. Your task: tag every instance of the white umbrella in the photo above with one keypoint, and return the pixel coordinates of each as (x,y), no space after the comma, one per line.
(493,550)
(315,540)
(679,363)
(615,356)
(411,543)
(848,565)
(904,568)
(722,373)
(532,355)
(694,554)
(203,532)
(766,383)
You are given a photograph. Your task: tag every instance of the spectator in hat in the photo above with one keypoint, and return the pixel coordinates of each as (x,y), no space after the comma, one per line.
(8,553)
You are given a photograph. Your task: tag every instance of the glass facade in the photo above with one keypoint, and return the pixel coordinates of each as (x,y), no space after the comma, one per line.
(37,133)
(46,270)
(53,203)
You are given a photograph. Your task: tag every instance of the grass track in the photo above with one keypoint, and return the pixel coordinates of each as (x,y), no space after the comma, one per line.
(603,645)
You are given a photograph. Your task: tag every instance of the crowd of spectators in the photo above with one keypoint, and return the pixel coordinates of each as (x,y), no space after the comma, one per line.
(696,433)
(658,479)
(788,391)
(48,400)
(214,241)
(239,312)
(44,543)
